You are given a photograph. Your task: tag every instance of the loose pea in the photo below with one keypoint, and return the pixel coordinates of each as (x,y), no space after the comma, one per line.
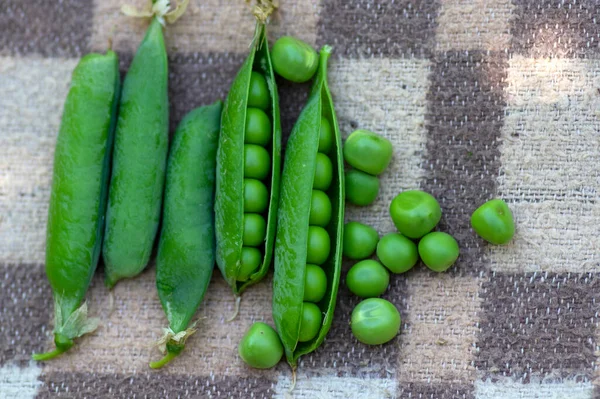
(255,229)
(251,259)
(257,161)
(360,240)
(294,59)
(323,172)
(320,209)
(315,284)
(367,279)
(258,95)
(361,188)
(415,213)
(438,251)
(493,221)
(256,196)
(325,136)
(398,253)
(258,127)
(318,245)
(310,323)
(375,321)
(367,151)
(260,347)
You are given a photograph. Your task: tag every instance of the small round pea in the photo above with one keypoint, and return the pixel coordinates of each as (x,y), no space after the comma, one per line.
(258,94)
(415,213)
(375,321)
(368,151)
(315,283)
(361,188)
(438,251)
(294,59)
(320,209)
(257,162)
(310,323)
(367,279)
(251,260)
(323,172)
(258,127)
(325,136)
(398,253)
(256,196)
(255,229)
(360,240)
(261,347)
(319,245)
(494,222)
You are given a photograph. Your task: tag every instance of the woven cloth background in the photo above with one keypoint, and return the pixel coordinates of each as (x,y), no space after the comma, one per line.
(481,98)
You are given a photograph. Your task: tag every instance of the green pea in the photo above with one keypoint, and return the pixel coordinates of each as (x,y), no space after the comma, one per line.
(415,213)
(310,323)
(258,127)
(438,251)
(323,172)
(255,229)
(258,95)
(318,245)
(320,209)
(256,196)
(360,240)
(250,261)
(261,347)
(326,138)
(294,59)
(367,279)
(493,221)
(367,151)
(398,253)
(361,188)
(315,284)
(257,161)
(375,321)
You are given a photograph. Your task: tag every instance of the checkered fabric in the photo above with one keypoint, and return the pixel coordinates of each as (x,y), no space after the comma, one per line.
(480,98)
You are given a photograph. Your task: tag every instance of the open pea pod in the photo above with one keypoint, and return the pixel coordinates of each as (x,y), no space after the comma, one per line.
(230,181)
(293,223)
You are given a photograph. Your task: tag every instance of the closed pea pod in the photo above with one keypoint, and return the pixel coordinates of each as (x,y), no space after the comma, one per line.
(292,242)
(186,249)
(78,196)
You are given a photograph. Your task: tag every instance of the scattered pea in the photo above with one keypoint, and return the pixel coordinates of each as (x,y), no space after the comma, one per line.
(375,321)
(415,213)
(398,253)
(438,251)
(360,240)
(368,151)
(261,347)
(367,279)
(294,59)
(361,188)
(493,221)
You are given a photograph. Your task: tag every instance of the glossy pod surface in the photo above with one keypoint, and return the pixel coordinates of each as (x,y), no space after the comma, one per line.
(141,145)
(241,125)
(186,249)
(79,187)
(292,242)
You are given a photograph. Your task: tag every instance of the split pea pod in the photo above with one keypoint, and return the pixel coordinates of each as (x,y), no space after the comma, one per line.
(78,196)
(308,245)
(186,249)
(248,170)
(141,144)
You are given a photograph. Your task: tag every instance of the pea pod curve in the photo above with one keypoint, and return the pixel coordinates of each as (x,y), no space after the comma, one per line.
(293,221)
(78,196)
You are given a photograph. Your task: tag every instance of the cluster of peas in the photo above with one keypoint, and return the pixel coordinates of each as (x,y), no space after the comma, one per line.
(257,168)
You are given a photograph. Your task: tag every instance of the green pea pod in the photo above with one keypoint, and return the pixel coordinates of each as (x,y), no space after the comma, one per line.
(141,144)
(229,202)
(186,249)
(293,222)
(78,197)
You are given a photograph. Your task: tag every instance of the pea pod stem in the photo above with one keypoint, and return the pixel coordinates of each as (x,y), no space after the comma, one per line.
(47,355)
(162,362)
(236,308)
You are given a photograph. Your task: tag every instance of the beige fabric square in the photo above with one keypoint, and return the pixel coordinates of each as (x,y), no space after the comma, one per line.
(550,164)
(474,25)
(439,329)
(207,26)
(333,386)
(30,111)
(388,97)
